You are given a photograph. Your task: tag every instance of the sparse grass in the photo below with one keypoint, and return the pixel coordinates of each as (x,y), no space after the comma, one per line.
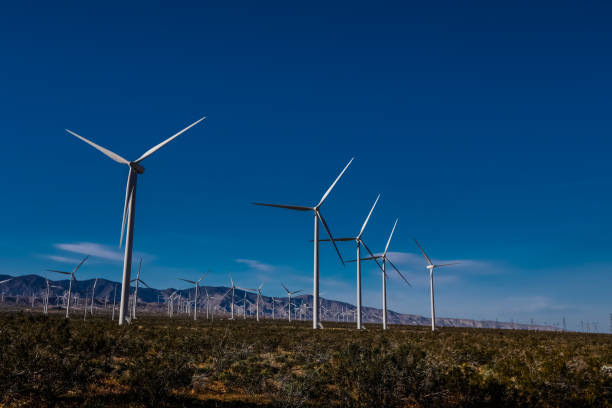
(48,361)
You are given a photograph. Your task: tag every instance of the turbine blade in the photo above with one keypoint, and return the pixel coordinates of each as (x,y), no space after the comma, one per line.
(369,258)
(261,286)
(162,144)
(372,255)
(144,283)
(186,280)
(334,183)
(390,236)
(107,152)
(203,276)
(446,264)
(330,235)
(335,239)
(128,196)
(79,265)
(290,207)
(225,294)
(398,272)
(4,281)
(368,217)
(53,270)
(297,291)
(423,251)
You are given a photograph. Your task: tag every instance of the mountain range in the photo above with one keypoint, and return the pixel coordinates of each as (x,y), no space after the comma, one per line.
(25,289)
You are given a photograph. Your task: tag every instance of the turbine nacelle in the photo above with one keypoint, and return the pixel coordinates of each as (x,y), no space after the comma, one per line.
(137,167)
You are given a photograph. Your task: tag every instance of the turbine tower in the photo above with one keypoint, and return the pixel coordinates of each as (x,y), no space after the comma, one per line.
(70,284)
(383,268)
(317,216)
(129,209)
(359,242)
(431,266)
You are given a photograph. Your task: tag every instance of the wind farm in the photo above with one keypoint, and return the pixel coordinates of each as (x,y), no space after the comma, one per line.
(400,205)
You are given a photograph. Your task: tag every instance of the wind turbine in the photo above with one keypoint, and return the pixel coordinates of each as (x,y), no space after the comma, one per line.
(208,299)
(2,282)
(383,268)
(431,266)
(138,281)
(114,301)
(359,242)
(93,294)
(317,216)
(258,297)
(289,293)
(129,209)
(70,284)
(233,289)
(223,297)
(197,287)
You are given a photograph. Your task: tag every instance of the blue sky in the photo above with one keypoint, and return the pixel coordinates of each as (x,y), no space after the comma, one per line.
(486,128)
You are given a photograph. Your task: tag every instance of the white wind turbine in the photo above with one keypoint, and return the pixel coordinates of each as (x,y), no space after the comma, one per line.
(289,293)
(70,284)
(93,294)
(431,266)
(233,289)
(274,300)
(197,289)
(138,282)
(385,259)
(208,299)
(129,209)
(223,297)
(359,242)
(258,290)
(114,301)
(2,282)
(317,216)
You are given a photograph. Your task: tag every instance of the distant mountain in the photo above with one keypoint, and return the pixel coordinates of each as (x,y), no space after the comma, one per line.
(21,289)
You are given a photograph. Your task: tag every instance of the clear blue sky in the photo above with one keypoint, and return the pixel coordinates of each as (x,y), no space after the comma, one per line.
(486,129)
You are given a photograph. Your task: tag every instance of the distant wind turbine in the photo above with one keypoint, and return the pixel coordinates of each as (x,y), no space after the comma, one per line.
(70,284)
(233,289)
(197,288)
(317,216)
(93,296)
(138,282)
(129,209)
(289,293)
(431,266)
(258,290)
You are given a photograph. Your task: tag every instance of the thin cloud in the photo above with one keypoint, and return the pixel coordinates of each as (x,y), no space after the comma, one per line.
(92,249)
(63,259)
(257,265)
(415,262)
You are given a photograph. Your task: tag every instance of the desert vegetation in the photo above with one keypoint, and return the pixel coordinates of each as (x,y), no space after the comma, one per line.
(49,361)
